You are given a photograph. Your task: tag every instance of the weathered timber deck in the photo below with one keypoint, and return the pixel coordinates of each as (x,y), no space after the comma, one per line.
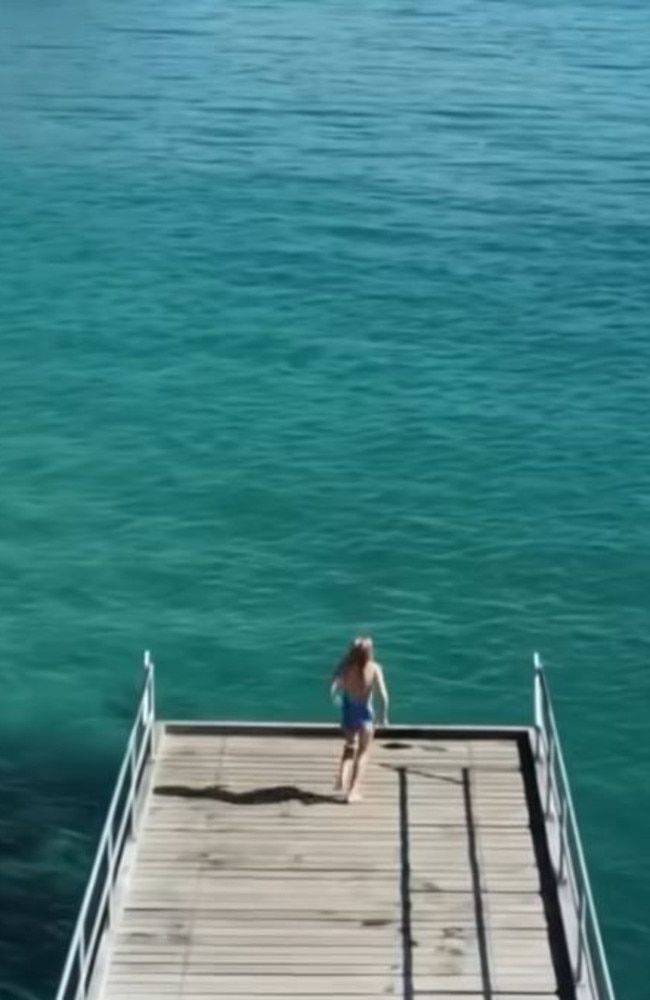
(249,880)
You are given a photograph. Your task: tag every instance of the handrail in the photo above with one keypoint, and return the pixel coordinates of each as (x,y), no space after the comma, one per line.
(589,963)
(95,914)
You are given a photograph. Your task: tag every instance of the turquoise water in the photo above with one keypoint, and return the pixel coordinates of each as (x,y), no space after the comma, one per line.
(314,318)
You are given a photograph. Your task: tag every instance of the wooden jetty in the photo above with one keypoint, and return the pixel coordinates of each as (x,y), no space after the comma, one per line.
(229,869)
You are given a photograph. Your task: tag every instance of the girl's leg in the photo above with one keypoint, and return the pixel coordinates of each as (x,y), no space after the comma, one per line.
(347,754)
(360,763)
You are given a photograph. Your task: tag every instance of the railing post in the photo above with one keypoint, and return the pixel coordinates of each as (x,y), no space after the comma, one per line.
(581,935)
(81,983)
(150,702)
(109,896)
(538,706)
(550,763)
(563,823)
(132,766)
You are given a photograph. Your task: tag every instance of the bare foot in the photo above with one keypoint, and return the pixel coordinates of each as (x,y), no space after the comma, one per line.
(354,796)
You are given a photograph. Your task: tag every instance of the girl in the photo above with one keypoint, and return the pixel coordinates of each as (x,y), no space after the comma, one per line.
(356,677)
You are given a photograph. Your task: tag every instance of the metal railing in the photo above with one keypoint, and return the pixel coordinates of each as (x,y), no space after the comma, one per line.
(95,914)
(587,955)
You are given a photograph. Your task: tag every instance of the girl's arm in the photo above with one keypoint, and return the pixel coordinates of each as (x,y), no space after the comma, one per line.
(382,690)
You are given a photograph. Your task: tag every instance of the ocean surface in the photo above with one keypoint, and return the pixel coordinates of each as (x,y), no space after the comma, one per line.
(320,317)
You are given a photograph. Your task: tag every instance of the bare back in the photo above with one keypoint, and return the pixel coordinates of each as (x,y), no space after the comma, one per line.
(358,680)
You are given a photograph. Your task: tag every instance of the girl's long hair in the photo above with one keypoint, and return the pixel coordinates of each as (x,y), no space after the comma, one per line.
(359,655)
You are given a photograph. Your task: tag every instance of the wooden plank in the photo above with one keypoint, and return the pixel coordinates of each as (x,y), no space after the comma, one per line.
(256,991)
(276,933)
(359,964)
(251,954)
(152,994)
(328,984)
